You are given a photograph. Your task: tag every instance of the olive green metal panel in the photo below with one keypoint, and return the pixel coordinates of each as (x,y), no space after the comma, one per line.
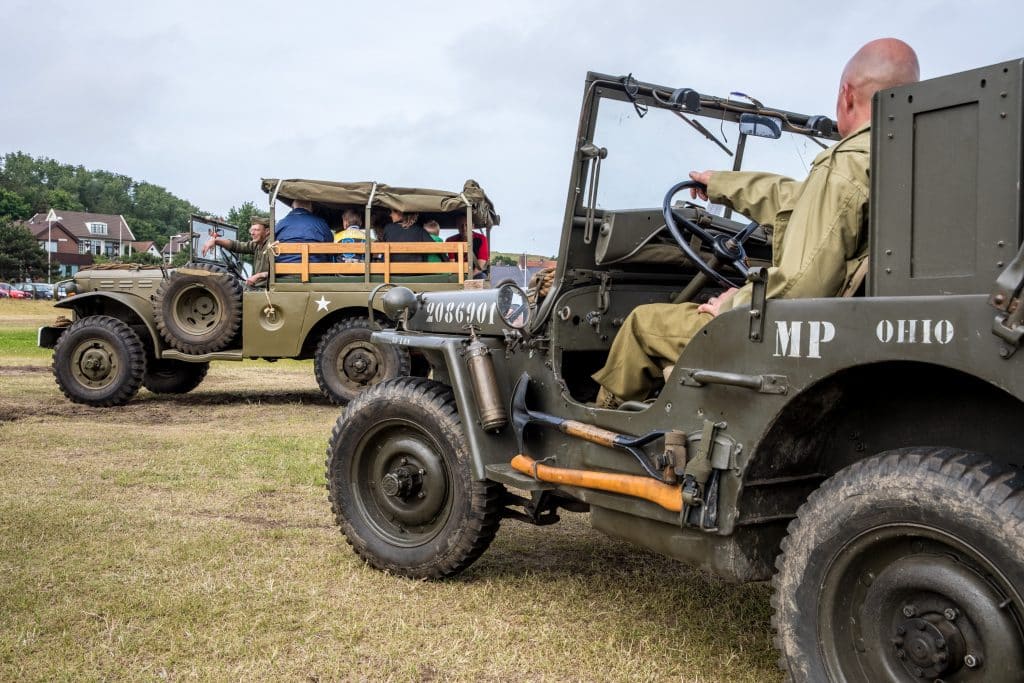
(946,213)
(272,327)
(108,302)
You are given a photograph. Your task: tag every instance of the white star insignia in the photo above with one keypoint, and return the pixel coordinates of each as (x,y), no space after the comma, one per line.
(321,303)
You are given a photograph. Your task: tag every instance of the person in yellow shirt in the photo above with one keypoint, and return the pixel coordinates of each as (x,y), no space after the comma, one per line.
(819,229)
(351,233)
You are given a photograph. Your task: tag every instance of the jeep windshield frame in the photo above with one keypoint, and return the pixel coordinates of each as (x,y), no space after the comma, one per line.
(698,113)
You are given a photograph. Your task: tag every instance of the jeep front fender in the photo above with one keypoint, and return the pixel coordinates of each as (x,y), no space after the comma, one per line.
(117,305)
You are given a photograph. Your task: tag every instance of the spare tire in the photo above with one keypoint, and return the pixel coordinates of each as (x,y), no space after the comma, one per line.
(198,309)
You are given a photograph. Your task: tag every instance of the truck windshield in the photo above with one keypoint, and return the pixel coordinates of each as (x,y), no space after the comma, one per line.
(204,230)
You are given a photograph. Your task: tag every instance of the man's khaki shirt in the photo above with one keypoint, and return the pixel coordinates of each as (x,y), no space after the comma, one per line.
(819,225)
(260,258)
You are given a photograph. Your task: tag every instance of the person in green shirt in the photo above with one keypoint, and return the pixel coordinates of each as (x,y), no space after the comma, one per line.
(434,229)
(819,231)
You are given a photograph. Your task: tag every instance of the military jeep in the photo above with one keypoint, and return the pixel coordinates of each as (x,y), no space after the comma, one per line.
(160,328)
(860,452)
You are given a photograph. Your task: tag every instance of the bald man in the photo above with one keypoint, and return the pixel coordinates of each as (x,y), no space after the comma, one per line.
(819,234)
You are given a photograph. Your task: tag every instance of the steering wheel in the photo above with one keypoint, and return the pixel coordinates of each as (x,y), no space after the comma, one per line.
(234,266)
(724,248)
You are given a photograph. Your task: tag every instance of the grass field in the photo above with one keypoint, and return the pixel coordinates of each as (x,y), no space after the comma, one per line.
(190,538)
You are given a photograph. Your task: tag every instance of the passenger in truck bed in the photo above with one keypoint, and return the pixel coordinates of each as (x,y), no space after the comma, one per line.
(301,225)
(405,227)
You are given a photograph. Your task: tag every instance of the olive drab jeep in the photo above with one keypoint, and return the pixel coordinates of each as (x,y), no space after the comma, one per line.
(160,328)
(861,452)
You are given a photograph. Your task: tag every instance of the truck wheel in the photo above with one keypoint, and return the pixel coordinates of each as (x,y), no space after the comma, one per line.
(347,362)
(401,485)
(99,361)
(907,566)
(198,312)
(169,376)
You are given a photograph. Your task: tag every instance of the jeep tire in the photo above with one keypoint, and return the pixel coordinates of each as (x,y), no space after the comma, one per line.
(199,309)
(401,484)
(169,376)
(346,361)
(99,361)
(906,566)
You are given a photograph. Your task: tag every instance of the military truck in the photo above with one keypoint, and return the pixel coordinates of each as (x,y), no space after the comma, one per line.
(860,451)
(160,327)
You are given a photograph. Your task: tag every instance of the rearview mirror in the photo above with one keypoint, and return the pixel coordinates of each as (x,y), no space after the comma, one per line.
(760,126)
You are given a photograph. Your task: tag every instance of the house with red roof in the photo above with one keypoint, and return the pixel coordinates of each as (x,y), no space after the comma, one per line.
(74,238)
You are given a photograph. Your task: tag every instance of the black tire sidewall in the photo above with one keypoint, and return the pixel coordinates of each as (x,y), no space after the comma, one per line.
(868,496)
(123,341)
(170,376)
(393,360)
(446,549)
(224,289)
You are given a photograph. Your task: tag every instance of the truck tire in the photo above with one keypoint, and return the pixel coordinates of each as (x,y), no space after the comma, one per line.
(198,309)
(346,361)
(99,361)
(401,484)
(906,566)
(169,376)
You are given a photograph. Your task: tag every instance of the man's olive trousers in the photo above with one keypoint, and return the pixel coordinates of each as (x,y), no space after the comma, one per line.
(651,338)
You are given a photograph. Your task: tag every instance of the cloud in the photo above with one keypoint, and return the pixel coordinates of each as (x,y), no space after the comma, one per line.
(204,98)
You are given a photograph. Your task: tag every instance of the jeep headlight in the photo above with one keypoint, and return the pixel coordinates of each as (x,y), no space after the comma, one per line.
(513,306)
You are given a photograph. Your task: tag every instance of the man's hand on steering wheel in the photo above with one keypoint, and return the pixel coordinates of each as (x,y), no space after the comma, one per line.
(702,177)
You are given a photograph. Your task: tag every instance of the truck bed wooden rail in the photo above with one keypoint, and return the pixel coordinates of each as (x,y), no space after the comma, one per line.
(459,265)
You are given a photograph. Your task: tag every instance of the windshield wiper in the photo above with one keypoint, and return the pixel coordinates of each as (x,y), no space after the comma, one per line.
(699,127)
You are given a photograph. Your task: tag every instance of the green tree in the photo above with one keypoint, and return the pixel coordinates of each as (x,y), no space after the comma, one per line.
(503,260)
(59,200)
(143,258)
(152,212)
(241,216)
(14,206)
(20,255)
(182,257)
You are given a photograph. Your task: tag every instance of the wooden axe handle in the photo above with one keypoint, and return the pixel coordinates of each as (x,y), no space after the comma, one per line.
(665,495)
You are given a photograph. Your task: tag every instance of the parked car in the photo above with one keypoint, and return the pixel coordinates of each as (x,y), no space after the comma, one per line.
(8,291)
(27,288)
(43,290)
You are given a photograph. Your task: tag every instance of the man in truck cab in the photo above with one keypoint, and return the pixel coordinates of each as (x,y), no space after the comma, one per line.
(819,229)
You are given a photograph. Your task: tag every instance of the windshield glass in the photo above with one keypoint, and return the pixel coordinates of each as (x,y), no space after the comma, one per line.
(647,156)
(204,231)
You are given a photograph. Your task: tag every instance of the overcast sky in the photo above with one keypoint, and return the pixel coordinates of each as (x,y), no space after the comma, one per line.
(204,98)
